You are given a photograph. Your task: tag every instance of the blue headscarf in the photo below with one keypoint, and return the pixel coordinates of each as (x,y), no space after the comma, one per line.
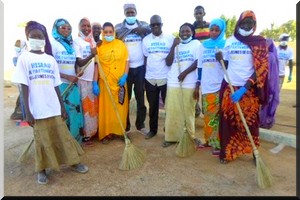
(220,40)
(65,41)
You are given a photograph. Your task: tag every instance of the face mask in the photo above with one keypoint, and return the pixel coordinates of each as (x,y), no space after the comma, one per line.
(36,44)
(245,33)
(283,43)
(109,38)
(186,40)
(130,20)
(18,49)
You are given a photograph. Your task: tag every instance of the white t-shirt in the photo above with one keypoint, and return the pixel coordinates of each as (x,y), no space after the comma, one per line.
(187,55)
(240,65)
(284,56)
(83,50)
(212,71)
(41,74)
(156,50)
(134,46)
(65,61)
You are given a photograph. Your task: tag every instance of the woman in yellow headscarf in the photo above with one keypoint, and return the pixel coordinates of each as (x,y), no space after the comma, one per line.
(113,58)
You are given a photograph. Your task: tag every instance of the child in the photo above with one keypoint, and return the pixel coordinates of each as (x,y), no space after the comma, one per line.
(18,114)
(38,74)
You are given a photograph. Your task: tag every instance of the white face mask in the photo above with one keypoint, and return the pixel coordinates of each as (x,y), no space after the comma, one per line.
(36,44)
(283,43)
(245,33)
(186,40)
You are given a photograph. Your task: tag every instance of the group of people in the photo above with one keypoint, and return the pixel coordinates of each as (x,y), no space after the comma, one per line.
(74,90)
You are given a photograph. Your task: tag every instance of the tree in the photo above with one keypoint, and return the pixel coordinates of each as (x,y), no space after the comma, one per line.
(230,25)
(274,33)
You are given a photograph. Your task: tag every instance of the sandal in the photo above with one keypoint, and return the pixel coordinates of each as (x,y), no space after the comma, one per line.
(223,161)
(105,141)
(166,144)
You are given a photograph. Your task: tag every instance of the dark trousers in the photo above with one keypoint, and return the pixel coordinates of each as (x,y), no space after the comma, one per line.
(136,78)
(152,93)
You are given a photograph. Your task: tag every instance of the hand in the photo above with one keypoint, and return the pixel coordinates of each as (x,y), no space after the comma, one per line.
(29,119)
(94,51)
(122,80)
(237,95)
(15,60)
(96,89)
(219,56)
(181,76)
(73,79)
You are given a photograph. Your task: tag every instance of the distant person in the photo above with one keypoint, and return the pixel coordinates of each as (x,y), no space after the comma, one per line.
(85,48)
(285,56)
(65,56)
(38,73)
(132,31)
(96,31)
(18,114)
(156,47)
(201,33)
(246,58)
(268,111)
(210,77)
(182,78)
(113,58)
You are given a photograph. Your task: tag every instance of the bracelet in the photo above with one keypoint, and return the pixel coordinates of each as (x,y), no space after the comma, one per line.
(251,80)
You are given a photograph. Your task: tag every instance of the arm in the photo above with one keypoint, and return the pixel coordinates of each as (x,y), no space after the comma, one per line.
(25,93)
(191,68)
(83,61)
(198,83)
(70,78)
(62,106)
(170,56)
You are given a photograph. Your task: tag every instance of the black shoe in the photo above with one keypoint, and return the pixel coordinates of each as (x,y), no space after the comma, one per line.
(167,144)
(150,135)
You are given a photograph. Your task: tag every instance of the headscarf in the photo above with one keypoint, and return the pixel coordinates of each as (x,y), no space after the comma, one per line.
(31,25)
(65,41)
(89,37)
(260,53)
(220,40)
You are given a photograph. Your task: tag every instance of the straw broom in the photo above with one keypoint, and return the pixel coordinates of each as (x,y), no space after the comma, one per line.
(263,175)
(186,145)
(24,154)
(132,157)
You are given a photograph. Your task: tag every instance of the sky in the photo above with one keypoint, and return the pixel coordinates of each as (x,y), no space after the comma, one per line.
(173,14)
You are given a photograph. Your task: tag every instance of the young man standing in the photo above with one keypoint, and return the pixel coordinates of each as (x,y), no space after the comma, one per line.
(156,47)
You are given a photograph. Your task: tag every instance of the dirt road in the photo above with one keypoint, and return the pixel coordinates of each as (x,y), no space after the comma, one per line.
(162,174)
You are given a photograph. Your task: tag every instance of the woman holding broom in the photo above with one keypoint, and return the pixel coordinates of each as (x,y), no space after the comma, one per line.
(210,76)
(113,58)
(182,78)
(246,58)
(65,56)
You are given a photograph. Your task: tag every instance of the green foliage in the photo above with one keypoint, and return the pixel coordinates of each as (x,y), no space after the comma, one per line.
(230,25)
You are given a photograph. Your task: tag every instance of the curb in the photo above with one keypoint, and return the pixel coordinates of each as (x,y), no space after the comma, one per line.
(278,137)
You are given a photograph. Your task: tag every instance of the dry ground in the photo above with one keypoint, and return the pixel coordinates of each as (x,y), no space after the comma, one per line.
(162,174)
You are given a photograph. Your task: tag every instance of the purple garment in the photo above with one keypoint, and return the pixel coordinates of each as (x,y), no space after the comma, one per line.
(267,112)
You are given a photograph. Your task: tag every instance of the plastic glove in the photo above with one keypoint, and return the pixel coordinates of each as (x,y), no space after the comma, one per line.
(15,60)
(96,89)
(122,80)
(237,95)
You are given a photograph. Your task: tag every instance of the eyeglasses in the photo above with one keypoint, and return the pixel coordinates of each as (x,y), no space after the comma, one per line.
(156,24)
(65,28)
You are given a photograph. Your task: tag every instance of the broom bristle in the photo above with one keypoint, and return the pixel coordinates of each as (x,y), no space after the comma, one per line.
(263,176)
(132,157)
(186,146)
(25,153)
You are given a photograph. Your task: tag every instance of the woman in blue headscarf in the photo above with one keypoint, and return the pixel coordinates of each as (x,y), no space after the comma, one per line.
(65,56)
(210,76)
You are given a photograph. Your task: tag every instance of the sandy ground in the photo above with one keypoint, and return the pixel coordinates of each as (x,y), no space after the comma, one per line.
(162,174)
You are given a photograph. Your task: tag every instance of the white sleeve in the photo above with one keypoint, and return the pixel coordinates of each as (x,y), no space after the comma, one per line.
(20,74)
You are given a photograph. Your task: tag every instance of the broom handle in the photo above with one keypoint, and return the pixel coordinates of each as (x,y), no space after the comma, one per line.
(239,108)
(71,84)
(102,74)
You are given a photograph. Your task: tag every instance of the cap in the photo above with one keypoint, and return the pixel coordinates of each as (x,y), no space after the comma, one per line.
(284,36)
(129,5)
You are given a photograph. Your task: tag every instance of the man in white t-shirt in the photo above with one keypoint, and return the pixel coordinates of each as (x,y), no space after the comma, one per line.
(156,47)
(285,56)
(132,31)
